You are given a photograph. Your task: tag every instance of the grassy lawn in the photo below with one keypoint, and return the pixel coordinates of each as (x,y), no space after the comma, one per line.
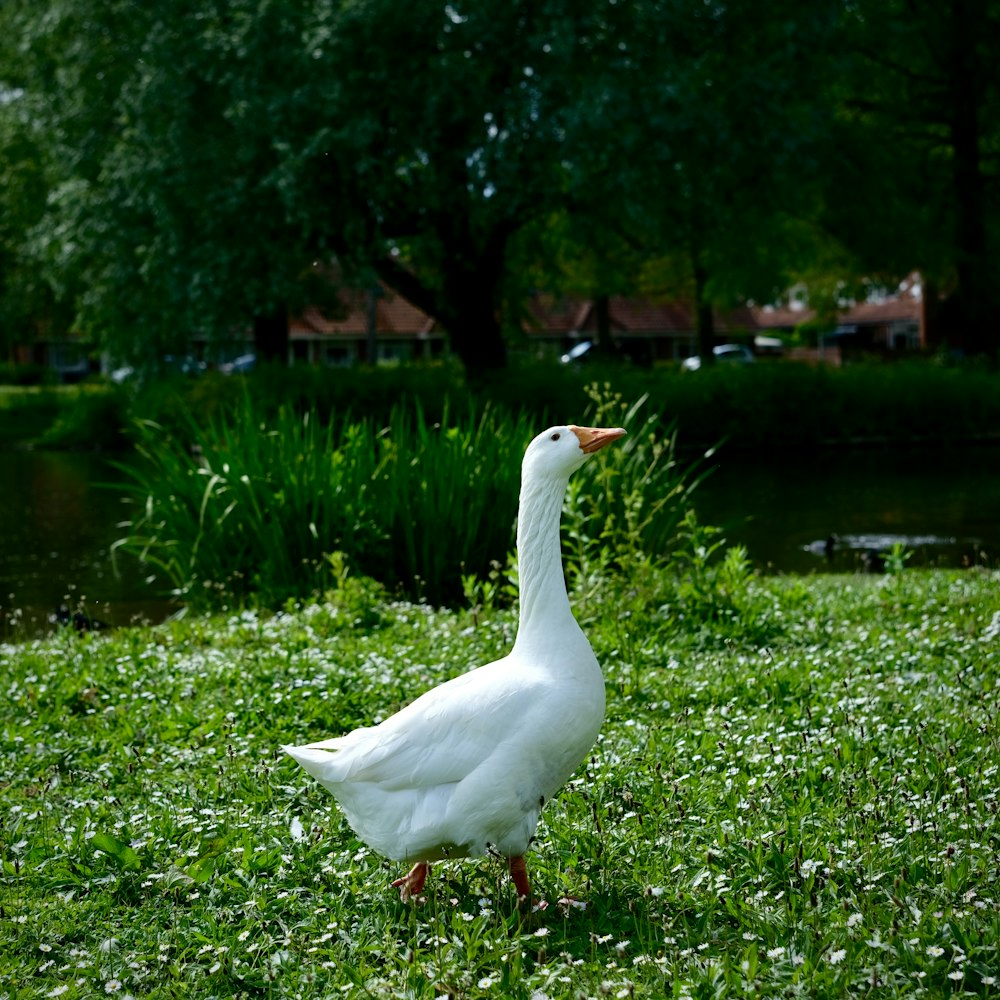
(804,810)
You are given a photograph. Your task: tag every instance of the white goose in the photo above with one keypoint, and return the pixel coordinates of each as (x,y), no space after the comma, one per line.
(466,768)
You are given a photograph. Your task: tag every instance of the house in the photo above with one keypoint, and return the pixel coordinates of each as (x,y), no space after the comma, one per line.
(377,323)
(879,325)
(373,321)
(640,328)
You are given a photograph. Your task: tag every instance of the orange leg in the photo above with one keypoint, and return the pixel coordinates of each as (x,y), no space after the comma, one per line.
(519,873)
(412,883)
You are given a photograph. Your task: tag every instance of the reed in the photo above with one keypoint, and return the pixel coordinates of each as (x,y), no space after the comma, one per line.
(255,508)
(245,506)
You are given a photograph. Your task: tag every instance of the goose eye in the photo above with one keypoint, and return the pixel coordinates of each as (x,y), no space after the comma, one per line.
(555,437)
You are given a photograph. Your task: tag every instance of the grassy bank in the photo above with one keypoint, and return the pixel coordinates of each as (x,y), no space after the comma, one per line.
(793,795)
(765,405)
(88,416)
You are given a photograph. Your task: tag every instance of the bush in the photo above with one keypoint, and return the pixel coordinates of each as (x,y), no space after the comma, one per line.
(250,506)
(27,374)
(258,506)
(93,420)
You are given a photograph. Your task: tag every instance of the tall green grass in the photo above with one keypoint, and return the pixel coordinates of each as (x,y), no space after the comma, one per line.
(246,506)
(255,508)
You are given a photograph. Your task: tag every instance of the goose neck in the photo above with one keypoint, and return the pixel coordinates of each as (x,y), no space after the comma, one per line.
(542,586)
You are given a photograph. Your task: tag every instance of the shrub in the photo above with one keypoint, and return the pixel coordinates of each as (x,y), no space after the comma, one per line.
(94,419)
(255,506)
(249,506)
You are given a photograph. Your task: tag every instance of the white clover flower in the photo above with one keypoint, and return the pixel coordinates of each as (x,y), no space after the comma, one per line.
(854,919)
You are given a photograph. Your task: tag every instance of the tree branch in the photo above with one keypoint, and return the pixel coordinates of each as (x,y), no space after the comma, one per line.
(404,282)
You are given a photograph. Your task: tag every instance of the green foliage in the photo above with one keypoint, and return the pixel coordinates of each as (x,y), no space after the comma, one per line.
(816,818)
(904,198)
(67,416)
(30,374)
(769,405)
(251,503)
(95,420)
(896,558)
(254,504)
(766,405)
(631,504)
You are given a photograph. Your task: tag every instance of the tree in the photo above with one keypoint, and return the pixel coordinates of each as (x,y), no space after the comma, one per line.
(169,214)
(917,185)
(452,130)
(216,153)
(709,186)
(726,173)
(27,303)
(229,144)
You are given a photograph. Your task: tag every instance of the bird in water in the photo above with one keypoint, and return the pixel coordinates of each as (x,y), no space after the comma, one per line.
(466,768)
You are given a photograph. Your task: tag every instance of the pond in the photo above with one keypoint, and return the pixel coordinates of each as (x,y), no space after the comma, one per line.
(61,513)
(844,509)
(59,522)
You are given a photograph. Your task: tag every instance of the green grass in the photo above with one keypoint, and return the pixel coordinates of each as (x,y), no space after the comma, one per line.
(814,815)
(257,507)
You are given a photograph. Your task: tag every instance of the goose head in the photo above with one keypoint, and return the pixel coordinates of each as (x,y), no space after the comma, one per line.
(558,452)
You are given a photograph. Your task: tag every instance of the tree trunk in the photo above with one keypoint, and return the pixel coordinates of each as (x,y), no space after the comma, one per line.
(977,301)
(467,306)
(704,319)
(602,327)
(476,337)
(270,336)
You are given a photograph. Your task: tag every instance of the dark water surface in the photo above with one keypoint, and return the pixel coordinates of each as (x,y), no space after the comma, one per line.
(944,504)
(57,524)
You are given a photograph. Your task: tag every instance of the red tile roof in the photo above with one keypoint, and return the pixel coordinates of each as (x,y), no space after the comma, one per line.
(394,317)
(905,306)
(899,308)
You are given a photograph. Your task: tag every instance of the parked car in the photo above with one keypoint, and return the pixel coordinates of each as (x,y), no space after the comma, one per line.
(239,366)
(730,354)
(578,352)
(634,349)
(169,364)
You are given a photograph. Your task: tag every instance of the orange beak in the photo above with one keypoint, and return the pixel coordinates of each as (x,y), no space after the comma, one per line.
(594,438)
